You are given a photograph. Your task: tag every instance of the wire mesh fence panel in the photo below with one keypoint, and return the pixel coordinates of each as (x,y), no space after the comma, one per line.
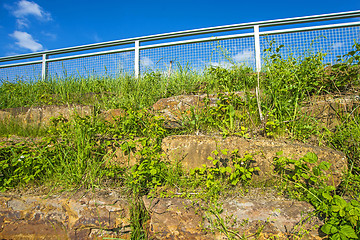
(191,52)
(198,56)
(26,73)
(331,42)
(110,65)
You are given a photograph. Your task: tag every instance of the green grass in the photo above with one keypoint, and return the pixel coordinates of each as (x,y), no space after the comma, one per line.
(75,153)
(13,126)
(123,91)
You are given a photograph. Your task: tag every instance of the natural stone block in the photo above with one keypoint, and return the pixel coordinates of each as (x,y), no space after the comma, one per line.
(176,218)
(81,216)
(193,151)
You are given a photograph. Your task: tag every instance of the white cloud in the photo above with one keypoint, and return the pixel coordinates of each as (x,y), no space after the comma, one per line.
(221,64)
(51,36)
(96,38)
(337,45)
(27,8)
(23,9)
(22,22)
(146,62)
(243,56)
(25,40)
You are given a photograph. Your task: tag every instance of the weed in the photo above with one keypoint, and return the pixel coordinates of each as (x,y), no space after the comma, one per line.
(227,117)
(13,126)
(219,223)
(138,219)
(224,172)
(150,172)
(236,78)
(75,153)
(342,217)
(345,74)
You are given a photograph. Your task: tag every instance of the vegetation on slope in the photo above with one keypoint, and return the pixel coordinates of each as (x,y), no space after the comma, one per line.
(77,153)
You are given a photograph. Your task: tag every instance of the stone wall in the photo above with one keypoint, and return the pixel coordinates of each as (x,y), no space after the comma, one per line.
(262,217)
(105,214)
(79,216)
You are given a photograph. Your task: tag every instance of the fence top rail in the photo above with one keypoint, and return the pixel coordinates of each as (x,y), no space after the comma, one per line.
(224,28)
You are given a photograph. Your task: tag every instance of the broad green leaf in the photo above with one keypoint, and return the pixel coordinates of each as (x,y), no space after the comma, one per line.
(324,166)
(327,196)
(353,220)
(355,203)
(335,208)
(316,171)
(330,188)
(228,169)
(329,229)
(234,182)
(153,171)
(348,231)
(304,175)
(310,157)
(341,202)
(336,236)
(224,151)
(342,213)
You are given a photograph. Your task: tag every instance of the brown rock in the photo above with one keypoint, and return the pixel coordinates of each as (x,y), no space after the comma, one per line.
(173,108)
(42,115)
(174,218)
(193,151)
(127,158)
(81,216)
(177,218)
(111,114)
(277,217)
(326,109)
(33,230)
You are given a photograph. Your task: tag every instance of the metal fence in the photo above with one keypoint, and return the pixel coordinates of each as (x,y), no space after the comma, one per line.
(333,34)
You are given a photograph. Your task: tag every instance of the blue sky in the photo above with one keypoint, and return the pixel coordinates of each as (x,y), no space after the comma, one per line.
(36,25)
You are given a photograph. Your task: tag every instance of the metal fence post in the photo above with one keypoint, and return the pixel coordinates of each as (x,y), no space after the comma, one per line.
(257,48)
(44,67)
(258,68)
(137,59)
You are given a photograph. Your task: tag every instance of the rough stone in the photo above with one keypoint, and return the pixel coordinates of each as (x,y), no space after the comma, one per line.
(327,108)
(81,216)
(111,114)
(42,115)
(323,108)
(284,218)
(125,159)
(173,109)
(177,218)
(174,218)
(193,151)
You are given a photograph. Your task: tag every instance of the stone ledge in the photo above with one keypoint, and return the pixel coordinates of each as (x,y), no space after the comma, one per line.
(192,151)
